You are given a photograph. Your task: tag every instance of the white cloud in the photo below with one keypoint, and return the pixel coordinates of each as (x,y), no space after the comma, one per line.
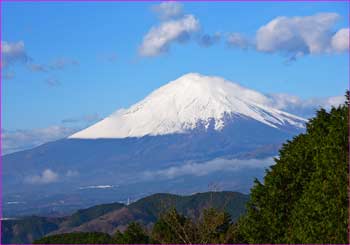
(201,169)
(52,82)
(293,37)
(207,40)
(334,101)
(297,36)
(46,177)
(13,52)
(159,38)
(340,40)
(72,173)
(174,27)
(167,10)
(62,63)
(57,64)
(237,40)
(303,107)
(17,140)
(89,118)
(96,187)
(36,67)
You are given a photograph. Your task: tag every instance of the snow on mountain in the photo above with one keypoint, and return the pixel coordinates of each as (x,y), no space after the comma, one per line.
(182,104)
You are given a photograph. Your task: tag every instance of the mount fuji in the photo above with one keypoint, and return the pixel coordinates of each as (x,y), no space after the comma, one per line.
(188,134)
(184,104)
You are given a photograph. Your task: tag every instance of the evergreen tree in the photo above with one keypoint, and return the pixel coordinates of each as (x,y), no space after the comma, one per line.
(173,227)
(214,227)
(134,234)
(304,195)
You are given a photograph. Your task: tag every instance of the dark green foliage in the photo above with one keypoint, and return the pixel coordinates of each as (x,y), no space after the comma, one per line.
(192,206)
(173,227)
(77,238)
(213,227)
(134,234)
(118,237)
(304,195)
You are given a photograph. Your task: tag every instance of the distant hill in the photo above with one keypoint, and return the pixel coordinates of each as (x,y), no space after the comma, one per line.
(27,229)
(85,215)
(108,218)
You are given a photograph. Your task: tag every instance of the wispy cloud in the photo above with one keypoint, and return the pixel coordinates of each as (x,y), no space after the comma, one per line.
(295,37)
(16,140)
(96,187)
(205,168)
(168,10)
(298,35)
(207,40)
(72,173)
(13,52)
(62,63)
(292,37)
(237,40)
(85,119)
(52,82)
(175,27)
(340,40)
(303,107)
(46,177)
(57,64)
(159,39)
(37,67)
(49,176)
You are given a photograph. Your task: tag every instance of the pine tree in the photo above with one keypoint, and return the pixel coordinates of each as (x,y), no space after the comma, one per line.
(303,198)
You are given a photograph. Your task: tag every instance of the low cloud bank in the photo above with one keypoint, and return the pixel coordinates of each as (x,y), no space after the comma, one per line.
(46,177)
(17,140)
(206,168)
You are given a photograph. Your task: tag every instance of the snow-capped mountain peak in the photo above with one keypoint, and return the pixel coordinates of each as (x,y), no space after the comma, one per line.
(180,105)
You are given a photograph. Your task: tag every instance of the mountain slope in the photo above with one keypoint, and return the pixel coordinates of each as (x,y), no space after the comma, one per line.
(147,210)
(109,217)
(186,103)
(85,215)
(28,229)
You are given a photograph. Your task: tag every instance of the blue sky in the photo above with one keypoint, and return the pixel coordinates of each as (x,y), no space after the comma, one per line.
(82,60)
